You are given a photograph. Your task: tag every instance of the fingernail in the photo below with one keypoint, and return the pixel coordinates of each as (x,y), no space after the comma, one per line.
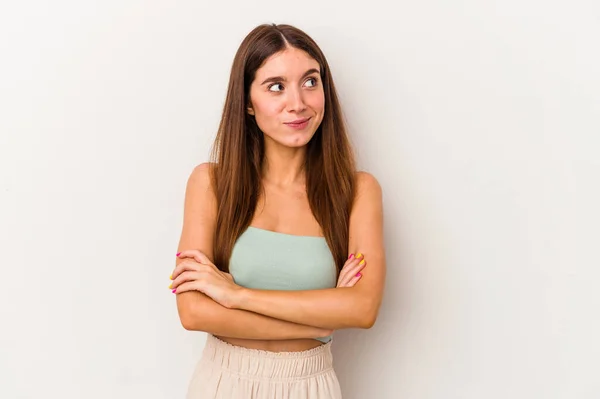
(171,277)
(351,256)
(362,262)
(178,253)
(174,291)
(170,286)
(358,275)
(358,255)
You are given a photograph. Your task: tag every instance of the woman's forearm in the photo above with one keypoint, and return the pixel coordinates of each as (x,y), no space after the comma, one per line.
(200,313)
(333,308)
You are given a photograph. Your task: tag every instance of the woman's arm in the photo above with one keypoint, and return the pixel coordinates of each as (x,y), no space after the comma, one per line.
(197,311)
(336,308)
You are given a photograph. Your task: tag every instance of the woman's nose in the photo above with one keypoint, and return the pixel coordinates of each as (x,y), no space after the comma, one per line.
(295,101)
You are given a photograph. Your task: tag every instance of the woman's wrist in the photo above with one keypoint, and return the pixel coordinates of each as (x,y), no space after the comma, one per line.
(240,298)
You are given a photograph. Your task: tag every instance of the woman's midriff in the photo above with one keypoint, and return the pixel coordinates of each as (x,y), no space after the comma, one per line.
(290,345)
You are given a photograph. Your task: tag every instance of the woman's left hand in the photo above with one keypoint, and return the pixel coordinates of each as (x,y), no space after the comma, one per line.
(198,273)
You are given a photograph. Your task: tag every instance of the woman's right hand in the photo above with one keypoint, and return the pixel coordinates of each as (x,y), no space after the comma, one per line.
(350,273)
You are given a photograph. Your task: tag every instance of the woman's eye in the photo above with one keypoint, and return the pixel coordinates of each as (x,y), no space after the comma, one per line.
(312,82)
(276,87)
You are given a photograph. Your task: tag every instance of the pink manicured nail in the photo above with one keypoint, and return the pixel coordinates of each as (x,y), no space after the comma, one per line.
(174,290)
(178,253)
(351,256)
(358,275)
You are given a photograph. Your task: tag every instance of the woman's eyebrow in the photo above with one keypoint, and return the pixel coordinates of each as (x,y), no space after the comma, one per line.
(274,79)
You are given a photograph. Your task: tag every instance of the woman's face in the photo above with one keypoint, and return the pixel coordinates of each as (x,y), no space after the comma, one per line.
(287,98)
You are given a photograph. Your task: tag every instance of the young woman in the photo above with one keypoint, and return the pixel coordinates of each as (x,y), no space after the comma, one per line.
(282,239)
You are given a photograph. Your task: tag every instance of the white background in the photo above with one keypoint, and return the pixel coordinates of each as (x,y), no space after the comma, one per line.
(481,121)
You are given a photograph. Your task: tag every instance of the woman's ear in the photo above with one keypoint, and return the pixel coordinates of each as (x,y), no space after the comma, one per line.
(250,110)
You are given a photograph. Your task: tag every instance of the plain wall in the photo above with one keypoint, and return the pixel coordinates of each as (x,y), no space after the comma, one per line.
(481,121)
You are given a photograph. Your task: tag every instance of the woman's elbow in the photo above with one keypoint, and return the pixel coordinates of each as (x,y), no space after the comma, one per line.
(367,321)
(187,322)
(187,315)
(186,319)
(368,316)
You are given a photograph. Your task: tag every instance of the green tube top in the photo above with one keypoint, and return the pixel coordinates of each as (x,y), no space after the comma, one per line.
(267,260)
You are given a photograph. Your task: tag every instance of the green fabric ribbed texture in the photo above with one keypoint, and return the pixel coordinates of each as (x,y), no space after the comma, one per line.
(267,260)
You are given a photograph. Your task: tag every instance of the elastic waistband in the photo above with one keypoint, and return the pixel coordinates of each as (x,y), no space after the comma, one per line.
(258,363)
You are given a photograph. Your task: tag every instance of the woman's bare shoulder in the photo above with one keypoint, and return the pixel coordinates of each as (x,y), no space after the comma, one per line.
(365,181)
(201,177)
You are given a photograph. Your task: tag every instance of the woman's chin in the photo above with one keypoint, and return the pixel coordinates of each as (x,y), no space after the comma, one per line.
(296,140)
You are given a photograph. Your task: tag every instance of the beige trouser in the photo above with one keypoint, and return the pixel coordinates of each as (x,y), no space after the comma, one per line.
(226,371)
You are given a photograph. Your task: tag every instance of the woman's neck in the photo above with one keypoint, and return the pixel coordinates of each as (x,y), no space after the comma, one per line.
(284,166)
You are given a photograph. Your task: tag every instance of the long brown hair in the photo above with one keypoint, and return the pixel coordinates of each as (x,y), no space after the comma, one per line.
(238,151)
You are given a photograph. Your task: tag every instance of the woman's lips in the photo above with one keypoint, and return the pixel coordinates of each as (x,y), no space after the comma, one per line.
(298,123)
